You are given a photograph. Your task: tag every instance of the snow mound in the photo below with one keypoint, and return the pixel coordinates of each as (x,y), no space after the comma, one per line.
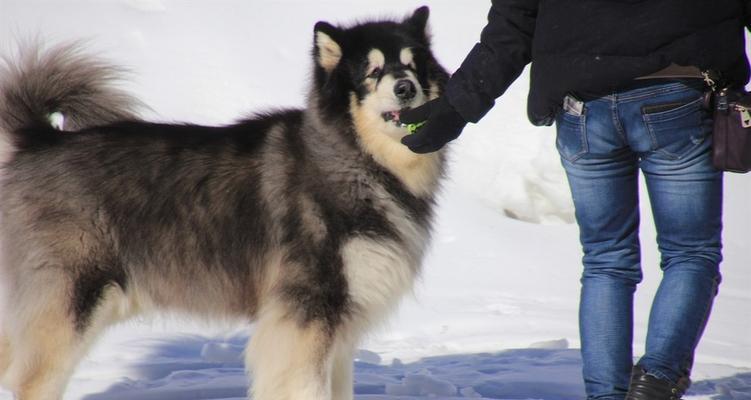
(222,353)
(421,385)
(560,344)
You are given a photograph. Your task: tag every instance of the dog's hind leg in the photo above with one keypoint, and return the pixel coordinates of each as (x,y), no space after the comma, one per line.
(288,359)
(46,335)
(42,360)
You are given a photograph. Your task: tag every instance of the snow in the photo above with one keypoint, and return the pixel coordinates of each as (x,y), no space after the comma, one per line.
(494,315)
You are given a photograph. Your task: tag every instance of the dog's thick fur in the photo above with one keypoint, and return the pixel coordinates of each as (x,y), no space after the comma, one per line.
(312,223)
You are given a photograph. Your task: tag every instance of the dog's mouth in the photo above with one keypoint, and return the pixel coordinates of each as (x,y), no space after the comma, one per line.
(392,116)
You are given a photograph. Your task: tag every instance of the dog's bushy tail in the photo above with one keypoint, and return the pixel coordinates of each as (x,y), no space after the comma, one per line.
(40,85)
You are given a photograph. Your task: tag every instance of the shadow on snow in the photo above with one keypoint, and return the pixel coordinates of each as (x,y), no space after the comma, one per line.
(193,368)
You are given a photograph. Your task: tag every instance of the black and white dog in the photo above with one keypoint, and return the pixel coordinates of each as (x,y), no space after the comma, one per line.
(312,222)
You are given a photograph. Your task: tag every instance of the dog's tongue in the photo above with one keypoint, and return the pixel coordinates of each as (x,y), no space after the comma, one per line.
(391,116)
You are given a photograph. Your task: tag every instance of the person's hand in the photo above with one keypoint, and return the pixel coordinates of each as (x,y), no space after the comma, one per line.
(442,124)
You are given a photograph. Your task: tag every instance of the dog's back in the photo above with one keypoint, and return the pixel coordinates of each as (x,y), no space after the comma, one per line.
(155,215)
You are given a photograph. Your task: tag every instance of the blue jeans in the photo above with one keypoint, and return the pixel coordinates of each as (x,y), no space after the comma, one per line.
(663,131)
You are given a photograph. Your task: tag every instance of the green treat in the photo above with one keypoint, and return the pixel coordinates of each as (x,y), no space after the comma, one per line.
(412,128)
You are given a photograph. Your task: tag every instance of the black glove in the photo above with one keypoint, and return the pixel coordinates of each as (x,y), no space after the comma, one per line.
(442,125)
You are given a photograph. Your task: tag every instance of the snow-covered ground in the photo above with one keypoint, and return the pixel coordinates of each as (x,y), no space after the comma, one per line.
(494,315)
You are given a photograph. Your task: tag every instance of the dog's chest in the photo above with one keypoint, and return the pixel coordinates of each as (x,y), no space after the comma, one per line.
(381,270)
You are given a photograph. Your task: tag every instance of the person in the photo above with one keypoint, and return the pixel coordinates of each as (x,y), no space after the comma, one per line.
(622,81)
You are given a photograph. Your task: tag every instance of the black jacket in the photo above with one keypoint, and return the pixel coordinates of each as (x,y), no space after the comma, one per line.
(595,46)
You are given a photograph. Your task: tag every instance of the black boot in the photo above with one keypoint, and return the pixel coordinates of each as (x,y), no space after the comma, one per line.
(648,387)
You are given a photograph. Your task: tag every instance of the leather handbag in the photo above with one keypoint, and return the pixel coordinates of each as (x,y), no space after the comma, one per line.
(731,146)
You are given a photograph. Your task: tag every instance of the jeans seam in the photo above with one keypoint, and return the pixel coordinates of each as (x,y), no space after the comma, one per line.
(707,312)
(674,88)
(655,145)
(583,133)
(617,120)
(660,375)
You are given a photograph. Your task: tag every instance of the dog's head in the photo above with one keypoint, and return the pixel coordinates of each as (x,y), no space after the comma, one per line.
(370,71)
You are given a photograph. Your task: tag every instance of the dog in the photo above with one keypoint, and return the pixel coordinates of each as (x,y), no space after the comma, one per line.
(311,223)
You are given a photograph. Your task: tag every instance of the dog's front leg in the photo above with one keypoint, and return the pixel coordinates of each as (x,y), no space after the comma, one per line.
(289,360)
(342,377)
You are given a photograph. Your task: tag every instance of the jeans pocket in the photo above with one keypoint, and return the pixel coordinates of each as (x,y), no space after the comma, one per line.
(677,127)
(571,135)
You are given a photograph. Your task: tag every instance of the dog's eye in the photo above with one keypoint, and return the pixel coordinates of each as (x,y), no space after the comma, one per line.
(375,73)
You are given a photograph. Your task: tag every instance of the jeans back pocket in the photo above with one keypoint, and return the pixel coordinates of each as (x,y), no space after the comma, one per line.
(676,127)
(571,135)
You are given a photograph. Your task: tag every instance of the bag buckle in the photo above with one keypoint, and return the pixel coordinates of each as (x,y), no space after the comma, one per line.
(721,101)
(745,116)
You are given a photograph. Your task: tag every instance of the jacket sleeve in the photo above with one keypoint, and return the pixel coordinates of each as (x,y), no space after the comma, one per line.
(748,15)
(504,49)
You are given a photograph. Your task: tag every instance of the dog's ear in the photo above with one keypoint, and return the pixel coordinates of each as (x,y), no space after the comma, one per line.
(328,51)
(418,22)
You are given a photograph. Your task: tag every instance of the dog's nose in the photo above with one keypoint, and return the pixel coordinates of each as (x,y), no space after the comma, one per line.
(405,89)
